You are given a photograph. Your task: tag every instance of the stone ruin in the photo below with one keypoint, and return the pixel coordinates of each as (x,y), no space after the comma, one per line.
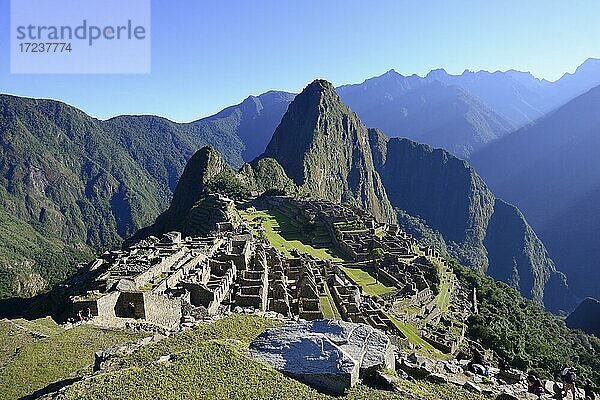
(405,265)
(170,282)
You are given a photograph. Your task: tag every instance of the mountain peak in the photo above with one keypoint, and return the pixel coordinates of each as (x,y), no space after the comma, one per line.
(315,91)
(590,65)
(436,73)
(391,73)
(324,148)
(204,165)
(299,126)
(320,85)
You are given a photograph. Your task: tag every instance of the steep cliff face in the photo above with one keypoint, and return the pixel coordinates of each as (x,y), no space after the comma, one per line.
(519,258)
(324,148)
(439,188)
(551,170)
(481,231)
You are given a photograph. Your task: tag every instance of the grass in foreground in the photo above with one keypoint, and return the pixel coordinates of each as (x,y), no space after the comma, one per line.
(284,236)
(211,362)
(35,363)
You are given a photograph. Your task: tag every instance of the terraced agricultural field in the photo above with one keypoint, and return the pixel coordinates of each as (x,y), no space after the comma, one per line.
(366,280)
(282,235)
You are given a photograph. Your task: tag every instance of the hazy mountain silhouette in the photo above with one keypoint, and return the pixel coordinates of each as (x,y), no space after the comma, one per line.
(254,120)
(460,113)
(551,170)
(430,112)
(586,317)
(520,97)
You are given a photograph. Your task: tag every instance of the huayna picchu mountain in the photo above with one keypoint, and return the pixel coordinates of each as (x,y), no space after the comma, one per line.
(322,145)
(322,150)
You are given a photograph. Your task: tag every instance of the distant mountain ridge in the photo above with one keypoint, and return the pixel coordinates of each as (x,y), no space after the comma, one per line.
(430,112)
(72,185)
(253,120)
(586,317)
(552,171)
(520,97)
(459,113)
(321,149)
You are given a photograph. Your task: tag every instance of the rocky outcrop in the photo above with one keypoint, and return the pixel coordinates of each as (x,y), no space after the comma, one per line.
(266,175)
(326,354)
(195,209)
(519,258)
(324,148)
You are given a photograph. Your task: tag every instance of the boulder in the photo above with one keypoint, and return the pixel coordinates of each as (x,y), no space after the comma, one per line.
(453,368)
(386,381)
(326,354)
(438,378)
(507,396)
(417,366)
(472,387)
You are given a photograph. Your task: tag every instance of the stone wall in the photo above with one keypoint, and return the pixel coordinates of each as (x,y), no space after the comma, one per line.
(200,295)
(163,266)
(106,305)
(162,310)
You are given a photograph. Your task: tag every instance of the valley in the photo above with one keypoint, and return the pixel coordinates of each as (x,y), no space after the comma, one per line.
(327,200)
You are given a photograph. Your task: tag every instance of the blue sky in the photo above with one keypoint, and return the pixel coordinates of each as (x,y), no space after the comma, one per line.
(210,54)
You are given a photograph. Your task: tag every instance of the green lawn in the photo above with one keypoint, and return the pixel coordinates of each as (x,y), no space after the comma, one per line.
(443,298)
(422,347)
(30,364)
(212,362)
(446,281)
(328,306)
(446,285)
(411,333)
(284,236)
(366,280)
